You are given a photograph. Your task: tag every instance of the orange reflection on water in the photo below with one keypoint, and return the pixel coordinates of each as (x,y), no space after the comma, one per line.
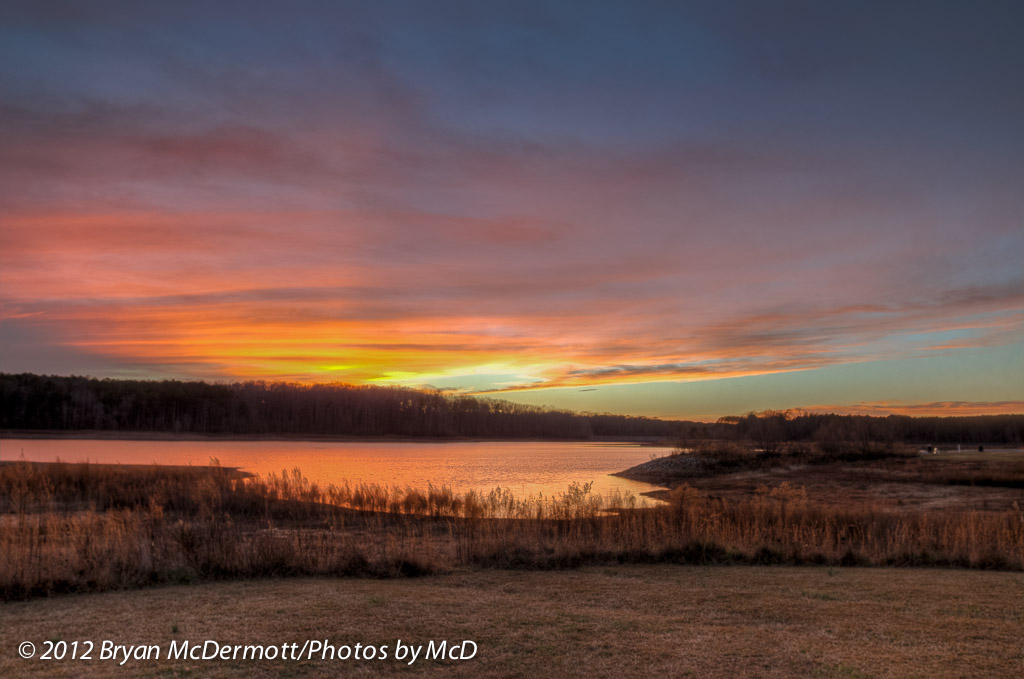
(524,467)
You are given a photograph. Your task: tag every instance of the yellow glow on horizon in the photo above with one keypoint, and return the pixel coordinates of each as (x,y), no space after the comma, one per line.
(180,295)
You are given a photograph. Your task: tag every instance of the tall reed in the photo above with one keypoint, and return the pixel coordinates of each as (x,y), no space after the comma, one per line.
(93,527)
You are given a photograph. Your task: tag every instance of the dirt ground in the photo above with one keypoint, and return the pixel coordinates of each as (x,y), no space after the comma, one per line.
(921,483)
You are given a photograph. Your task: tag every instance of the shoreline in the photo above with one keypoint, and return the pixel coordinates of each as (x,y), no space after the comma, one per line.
(137,466)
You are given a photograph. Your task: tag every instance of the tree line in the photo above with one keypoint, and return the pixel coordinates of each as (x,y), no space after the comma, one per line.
(828,430)
(252,408)
(49,402)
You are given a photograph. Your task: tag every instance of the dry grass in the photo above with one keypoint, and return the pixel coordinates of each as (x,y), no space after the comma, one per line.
(635,621)
(186,526)
(945,482)
(722,456)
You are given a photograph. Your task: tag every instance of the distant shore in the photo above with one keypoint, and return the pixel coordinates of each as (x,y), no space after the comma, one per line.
(107,435)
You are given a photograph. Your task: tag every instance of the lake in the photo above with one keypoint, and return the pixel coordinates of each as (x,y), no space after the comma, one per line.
(525,467)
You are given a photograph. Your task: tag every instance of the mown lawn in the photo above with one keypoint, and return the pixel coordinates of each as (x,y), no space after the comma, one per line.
(619,621)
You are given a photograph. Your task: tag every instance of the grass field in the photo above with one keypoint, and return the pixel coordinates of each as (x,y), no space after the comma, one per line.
(616,621)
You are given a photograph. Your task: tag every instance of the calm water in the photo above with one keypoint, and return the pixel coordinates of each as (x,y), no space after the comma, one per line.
(524,467)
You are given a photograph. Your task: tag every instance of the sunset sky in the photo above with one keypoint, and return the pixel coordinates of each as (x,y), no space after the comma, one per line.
(684,209)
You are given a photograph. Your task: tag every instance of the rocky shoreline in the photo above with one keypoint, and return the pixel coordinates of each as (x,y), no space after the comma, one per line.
(666,471)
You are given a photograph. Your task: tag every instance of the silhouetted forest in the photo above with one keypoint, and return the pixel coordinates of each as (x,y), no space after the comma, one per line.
(829,430)
(76,403)
(81,403)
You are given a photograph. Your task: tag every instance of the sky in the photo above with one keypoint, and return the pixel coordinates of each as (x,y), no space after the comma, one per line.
(677,209)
